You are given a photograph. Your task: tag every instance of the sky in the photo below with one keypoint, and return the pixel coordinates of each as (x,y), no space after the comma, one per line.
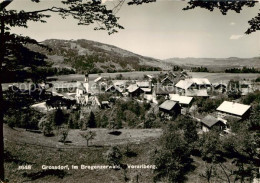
(160,30)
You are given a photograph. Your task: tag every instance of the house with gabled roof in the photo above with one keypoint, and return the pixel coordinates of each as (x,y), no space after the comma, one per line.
(114,89)
(167,81)
(184,101)
(193,83)
(170,108)
(220,87)
(143,84)
(197,93)
(234,109)
(133,90)
(210,122)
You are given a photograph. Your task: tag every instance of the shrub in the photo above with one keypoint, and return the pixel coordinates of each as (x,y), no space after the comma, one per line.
(63,134)
(47,129)
(114,156)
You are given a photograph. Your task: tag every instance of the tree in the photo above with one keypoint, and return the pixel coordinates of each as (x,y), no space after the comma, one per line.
(173,158)
(11,44)
(91,121)
(58,117)
(114,156)
(188,125)
(64,134)
(90,135)
(243,148)
(210,147)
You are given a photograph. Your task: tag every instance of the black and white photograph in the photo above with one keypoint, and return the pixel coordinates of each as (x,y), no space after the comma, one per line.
(129,91)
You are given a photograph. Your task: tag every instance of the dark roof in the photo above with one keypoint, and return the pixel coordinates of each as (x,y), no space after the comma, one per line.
(168,105)
(210,121)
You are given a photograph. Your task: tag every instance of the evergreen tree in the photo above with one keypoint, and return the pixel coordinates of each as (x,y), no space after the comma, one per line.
(91,121)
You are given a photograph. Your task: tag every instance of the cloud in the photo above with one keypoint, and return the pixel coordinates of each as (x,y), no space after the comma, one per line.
(235,37)
(232,23)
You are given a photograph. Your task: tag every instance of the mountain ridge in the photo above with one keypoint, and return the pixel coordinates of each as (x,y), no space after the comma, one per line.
(91,56)
(86,55)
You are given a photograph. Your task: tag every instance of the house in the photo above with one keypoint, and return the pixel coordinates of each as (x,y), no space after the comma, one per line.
(184,85)
(234,110)
(201,82)
(170,108)
(184,101)
(143,84)
(146,90)
(220,87)
(167,81)
(100,80)
(120,83)
(193,83)
(210,122)
(246,87)
(171,75)
(163,90)
(197,93)
(105,104)
(114,89)
(184,74)
(134,90)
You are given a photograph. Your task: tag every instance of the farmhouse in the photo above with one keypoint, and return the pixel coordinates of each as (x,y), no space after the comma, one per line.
(184,101)
(163,90)
(246,87)
(193,83)
(184,84)
(134,90)
(210,122)
(220,87)
(114,89)
(143,84)
(167,81)
(234,110)
(120,83)
(170,108)
(146,90)
(197,93)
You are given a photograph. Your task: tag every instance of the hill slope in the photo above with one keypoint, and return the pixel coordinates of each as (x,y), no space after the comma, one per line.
(85,55)
(215,64)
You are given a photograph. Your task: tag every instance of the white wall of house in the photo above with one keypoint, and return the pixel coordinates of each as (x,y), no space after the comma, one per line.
(205,129)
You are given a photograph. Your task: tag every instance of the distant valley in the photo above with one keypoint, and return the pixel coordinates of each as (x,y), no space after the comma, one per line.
(215,64)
